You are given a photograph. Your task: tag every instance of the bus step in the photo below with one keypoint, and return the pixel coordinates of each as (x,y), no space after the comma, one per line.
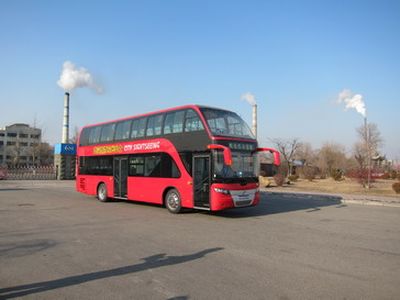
(202,208)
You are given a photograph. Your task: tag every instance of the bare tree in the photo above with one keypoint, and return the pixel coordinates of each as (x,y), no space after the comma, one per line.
(75,136)
(14,151)
(306,154)
(46,154)
(288,148)
(368,145)
(331,157)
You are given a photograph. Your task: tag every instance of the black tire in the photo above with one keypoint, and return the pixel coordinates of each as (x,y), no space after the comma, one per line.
(102,192)
(173,201)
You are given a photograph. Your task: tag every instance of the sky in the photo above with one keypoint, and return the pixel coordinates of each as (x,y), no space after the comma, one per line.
(295,57)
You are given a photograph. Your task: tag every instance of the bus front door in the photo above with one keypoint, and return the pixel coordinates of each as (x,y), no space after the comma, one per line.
(201,181)
(120,177)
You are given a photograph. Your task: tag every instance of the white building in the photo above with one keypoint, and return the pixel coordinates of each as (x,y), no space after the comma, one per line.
(18,144)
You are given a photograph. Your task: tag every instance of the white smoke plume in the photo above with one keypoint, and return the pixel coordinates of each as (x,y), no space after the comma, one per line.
(73,77)
(352,100)
(250,98)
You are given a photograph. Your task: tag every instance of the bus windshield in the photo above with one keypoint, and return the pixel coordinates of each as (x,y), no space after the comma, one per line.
(244,165)
(222,122)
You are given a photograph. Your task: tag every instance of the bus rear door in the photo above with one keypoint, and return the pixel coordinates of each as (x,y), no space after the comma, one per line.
(120,176)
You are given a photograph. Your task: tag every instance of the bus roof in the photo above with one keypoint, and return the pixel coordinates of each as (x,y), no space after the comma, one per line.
(193,106)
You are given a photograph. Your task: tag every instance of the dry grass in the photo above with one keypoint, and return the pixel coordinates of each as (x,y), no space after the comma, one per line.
(380,187)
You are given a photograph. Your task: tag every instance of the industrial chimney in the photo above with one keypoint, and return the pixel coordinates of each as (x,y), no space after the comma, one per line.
(65,130)
(254,125)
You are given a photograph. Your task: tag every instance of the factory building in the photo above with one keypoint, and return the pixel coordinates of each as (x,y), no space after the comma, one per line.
(19,144)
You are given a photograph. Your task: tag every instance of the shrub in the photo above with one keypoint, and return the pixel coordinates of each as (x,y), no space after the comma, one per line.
(337,174)
(293,177)
(385,176)
(396,187)
(279,179)
(393,174)
(309,173)
(264,181)
(361,175)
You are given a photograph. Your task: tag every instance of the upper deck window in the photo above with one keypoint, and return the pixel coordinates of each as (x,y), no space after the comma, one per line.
(138,128)
(154,125)
(107,133)
(174,122)
(94,134)
(123,130)
(192,121)
(222,122)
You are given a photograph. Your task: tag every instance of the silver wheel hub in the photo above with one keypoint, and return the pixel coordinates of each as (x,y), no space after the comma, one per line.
(102,192)
(173,201)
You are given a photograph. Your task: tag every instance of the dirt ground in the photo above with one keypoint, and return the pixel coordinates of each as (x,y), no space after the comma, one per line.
(380,187)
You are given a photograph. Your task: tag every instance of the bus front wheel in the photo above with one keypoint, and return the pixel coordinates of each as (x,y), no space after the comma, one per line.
(173,201)
(102,192)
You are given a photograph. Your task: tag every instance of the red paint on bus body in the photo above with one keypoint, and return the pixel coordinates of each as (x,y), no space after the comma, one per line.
(152,189)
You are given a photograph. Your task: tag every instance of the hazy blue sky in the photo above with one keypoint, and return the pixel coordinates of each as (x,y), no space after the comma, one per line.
(294,56)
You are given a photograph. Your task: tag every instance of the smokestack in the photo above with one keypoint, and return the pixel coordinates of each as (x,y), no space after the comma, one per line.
(65,130)
(366,127)
(367,137)
(251,99)
(254,125)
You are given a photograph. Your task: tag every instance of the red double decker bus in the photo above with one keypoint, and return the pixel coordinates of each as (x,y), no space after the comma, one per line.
(185,157)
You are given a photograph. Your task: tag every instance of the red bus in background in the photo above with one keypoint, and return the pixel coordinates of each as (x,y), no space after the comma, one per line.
(185,157)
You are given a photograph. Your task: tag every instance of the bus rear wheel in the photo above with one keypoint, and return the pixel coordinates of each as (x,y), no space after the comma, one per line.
(173,201)
(102,192)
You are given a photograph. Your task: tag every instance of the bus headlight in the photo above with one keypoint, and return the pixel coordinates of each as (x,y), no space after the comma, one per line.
(222,191)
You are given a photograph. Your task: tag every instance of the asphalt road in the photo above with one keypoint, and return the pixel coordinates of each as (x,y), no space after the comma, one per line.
(58,244)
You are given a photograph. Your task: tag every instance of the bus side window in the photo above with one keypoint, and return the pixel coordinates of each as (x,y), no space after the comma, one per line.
(152,166)
(174,122)
(107,133)
(192,121)
(178,122)
(123,130)
(169,169)
(138,128)
(136,166)
(186,158)
(154,125)
(82,165)
(169,121)
(150,127)
(84,137)
(94,136)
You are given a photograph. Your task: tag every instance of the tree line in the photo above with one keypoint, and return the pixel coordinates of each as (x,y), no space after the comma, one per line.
(363,162)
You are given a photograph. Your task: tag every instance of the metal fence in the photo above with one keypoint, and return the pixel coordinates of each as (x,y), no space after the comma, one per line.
(28,173)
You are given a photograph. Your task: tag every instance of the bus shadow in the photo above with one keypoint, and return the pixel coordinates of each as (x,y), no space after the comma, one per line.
(280,202)
(150,262)
(155,205)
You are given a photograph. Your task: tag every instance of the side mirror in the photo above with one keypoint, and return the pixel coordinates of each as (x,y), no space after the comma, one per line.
(226,152)
(275,153)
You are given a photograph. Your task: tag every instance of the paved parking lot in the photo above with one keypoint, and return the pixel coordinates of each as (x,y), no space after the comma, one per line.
(58,244)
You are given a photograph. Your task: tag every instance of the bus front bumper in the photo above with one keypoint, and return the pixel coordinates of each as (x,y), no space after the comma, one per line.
(223,198)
